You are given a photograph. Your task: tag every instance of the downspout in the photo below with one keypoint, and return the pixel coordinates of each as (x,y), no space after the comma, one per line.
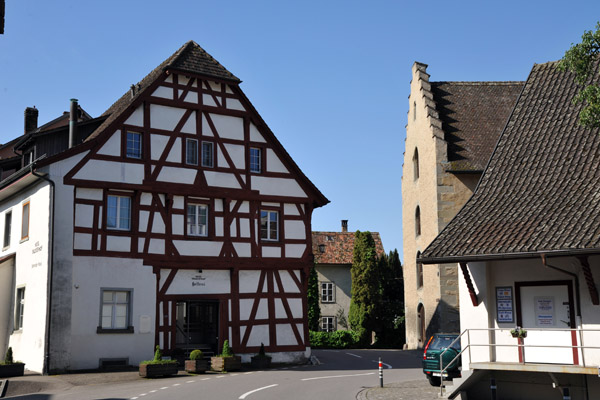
(577,297)
(45,369)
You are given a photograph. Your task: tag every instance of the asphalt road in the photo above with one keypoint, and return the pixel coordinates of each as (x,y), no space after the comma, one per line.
(342,374)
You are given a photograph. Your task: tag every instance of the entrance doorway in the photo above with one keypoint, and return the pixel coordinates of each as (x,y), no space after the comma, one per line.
(197,326)
(546,311)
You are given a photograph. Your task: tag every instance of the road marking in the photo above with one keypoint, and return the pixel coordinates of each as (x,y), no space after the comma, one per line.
(336,376)
(190,381)
(152,391)
(220,376)
(176,384)
(234,374)
(133,398)
(353,355)
(386,365)
(205,379)
(256,390)
(248,373)
(164,387)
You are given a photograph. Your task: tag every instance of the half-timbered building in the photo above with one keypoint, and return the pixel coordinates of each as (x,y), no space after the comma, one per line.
(180,221)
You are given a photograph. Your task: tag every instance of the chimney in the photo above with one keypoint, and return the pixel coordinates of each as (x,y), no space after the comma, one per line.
(73,122)
(344,225)
(31,119)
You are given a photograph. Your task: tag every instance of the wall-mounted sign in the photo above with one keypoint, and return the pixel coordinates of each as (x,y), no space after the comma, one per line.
(544,310)
(199,282)
(504,304)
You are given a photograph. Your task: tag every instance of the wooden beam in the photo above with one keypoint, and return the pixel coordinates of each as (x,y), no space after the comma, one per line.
(589,279)
(465,271)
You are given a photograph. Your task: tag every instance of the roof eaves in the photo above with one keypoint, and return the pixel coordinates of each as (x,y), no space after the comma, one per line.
(508,256)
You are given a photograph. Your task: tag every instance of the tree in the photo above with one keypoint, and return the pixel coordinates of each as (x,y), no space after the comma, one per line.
(390,314)
(314,312)
(365,286)
(581,59)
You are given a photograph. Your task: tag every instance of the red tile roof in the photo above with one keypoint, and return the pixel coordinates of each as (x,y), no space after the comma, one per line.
(338,247)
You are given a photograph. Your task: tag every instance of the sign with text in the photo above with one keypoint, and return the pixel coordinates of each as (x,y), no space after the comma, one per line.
(199,282)
(504,304)
(544,310)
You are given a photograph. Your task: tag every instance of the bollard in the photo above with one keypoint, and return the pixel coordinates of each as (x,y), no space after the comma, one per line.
(493,388)
(380,373)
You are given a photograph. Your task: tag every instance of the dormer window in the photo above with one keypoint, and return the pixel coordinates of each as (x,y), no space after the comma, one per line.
(321,248)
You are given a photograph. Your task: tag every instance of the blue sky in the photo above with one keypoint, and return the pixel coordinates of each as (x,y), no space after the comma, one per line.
(330,78)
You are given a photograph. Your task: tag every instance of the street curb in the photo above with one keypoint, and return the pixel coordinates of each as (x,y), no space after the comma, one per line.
(362,395)
(3,387)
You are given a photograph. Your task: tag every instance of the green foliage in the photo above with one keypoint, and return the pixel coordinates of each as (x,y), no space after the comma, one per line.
(157,354)
(196,355)
(341,318)
(334,340)
(159,362)
(580,59)
(314,312)
(365,286)
(227,351)
(9,357)
(390,315)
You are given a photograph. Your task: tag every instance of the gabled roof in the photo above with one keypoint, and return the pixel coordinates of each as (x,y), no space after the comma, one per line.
(473,115)
(338,247)
(539,193)
(189,58)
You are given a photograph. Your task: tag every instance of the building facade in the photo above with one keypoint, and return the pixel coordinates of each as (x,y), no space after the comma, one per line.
(529,252)
(451,131)
(333,252)
(179,221)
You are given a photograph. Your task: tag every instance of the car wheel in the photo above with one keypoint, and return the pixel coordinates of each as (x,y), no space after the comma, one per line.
(434,380)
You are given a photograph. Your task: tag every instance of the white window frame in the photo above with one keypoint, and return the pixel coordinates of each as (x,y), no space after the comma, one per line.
(208,162)
(117,225)
(114,303)
(256,160)
(196,223)
(327,292)
(327,322)
(194,148)
(136,146)
(267,235)
(19,308)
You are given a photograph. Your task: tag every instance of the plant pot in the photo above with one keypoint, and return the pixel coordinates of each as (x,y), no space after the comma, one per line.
(196,366)
(157,370)
(233,363)
(260,362)
(15,369)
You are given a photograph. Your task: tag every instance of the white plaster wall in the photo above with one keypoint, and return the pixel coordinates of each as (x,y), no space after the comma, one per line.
(164,117)
(274,164)
(89,194)
(271,251)
(228,127)
(277,186)
(295,250)
(177,175)
(137,117)
(237,154)
(221,179)
(110,171)
(294,229)
(163,92)
(158,143)
(198,248)
(255,135)
(31,272)
(175,153)
(249,281)
(90,275)
(259,334)
(112,147)
(243,249)
(289,286)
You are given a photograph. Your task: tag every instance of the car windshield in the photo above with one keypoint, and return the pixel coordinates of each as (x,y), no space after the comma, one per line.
(442,342)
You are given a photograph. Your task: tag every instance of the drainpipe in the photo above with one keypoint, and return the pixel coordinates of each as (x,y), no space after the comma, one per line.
(73,122)
(577,297)
(45,368)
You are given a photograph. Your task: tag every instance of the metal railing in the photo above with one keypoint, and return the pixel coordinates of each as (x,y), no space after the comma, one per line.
(520,346)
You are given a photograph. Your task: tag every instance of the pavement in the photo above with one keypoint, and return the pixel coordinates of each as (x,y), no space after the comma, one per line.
(413,390)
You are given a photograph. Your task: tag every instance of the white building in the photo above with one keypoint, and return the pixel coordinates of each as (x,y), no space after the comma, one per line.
(528,246)
(180,220)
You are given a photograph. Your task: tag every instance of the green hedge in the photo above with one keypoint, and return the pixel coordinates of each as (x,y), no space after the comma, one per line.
(333,340)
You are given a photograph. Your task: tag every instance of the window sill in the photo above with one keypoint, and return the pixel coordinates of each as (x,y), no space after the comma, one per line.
(108,330)
(24,239)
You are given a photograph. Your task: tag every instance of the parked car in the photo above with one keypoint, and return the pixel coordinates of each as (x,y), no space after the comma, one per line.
(431,357)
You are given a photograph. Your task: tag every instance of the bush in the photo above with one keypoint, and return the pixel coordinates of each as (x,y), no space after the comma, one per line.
(157,354)
(227,351)
(9,357)
(196,355)
(334,340)
(158,358)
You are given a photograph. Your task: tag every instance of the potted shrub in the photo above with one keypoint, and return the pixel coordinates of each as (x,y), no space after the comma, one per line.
(261,360)
(158,367)
(227,361)
(9,367)
(518,332)
(196,364)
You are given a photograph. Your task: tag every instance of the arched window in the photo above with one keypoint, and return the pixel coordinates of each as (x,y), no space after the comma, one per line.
(421,324)
(416,164)
(417,221)
(419,271)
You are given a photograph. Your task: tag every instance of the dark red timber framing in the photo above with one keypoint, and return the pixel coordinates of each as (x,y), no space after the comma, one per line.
(165,204)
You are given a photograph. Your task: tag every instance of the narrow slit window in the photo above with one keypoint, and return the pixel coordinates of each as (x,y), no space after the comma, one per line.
(207,154)
(25,222)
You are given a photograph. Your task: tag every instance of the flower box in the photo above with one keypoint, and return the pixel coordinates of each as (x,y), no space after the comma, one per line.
(196,366)
(232,363)
(14,369)
(260,362)
(158,370)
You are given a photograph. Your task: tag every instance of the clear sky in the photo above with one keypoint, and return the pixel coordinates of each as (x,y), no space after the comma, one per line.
(330,78)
